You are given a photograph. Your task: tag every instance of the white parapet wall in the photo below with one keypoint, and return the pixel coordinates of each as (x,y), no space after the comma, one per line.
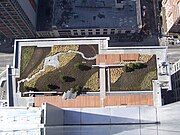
(110,115)
(164,79)
(53,116)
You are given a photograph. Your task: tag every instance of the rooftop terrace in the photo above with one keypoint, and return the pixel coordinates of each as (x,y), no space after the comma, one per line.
(96,14)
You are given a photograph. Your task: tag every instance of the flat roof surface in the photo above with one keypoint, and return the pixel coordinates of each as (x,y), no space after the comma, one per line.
(20,116)
(94,14)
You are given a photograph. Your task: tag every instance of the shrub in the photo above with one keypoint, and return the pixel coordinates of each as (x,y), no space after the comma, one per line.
(132,66)
(77,89)
(52,87)
(139,65)
(67,78)
(30,88)
(129,68)
(82,67)
(46,88)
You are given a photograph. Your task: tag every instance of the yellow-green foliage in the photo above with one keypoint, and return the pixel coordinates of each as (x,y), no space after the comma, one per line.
(115,73)
(93,82)
(26,54)
(32,82)
(64,59)
(63,48)
(147,81)
(145,57)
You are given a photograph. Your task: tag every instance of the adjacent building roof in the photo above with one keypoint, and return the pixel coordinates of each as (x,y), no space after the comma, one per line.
(77,14)
(95,14)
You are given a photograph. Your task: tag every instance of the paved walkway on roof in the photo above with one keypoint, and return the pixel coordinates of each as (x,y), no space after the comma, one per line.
(102,83)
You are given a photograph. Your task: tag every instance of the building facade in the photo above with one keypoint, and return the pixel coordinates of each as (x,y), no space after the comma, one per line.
(107,59)
(171,16)
(18,18)
(176,79)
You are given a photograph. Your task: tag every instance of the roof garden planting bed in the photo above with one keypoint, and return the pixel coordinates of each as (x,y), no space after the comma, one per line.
(135,75)
(62,68)
(31,57)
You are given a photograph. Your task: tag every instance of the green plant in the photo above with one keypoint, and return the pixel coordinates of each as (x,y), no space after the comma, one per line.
(77,89)
(139,65)
(132,66)
(82,67)
(26,54)
(52,86)
(128,69)
(30,88)
(67,78)
(46,88)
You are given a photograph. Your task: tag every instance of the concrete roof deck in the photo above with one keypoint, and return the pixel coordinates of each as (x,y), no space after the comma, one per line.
(95,14)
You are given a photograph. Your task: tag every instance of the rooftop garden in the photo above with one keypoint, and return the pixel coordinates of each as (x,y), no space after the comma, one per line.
(134,75)
(59,68)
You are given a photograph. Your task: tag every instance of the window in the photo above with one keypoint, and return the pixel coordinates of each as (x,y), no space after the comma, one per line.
(104,33)
(97,33)
(64,31)
(75,33)
(97,29)
(105,29)
(178,9)
(112,31)
(90,33)
(83,33)
(176,84)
